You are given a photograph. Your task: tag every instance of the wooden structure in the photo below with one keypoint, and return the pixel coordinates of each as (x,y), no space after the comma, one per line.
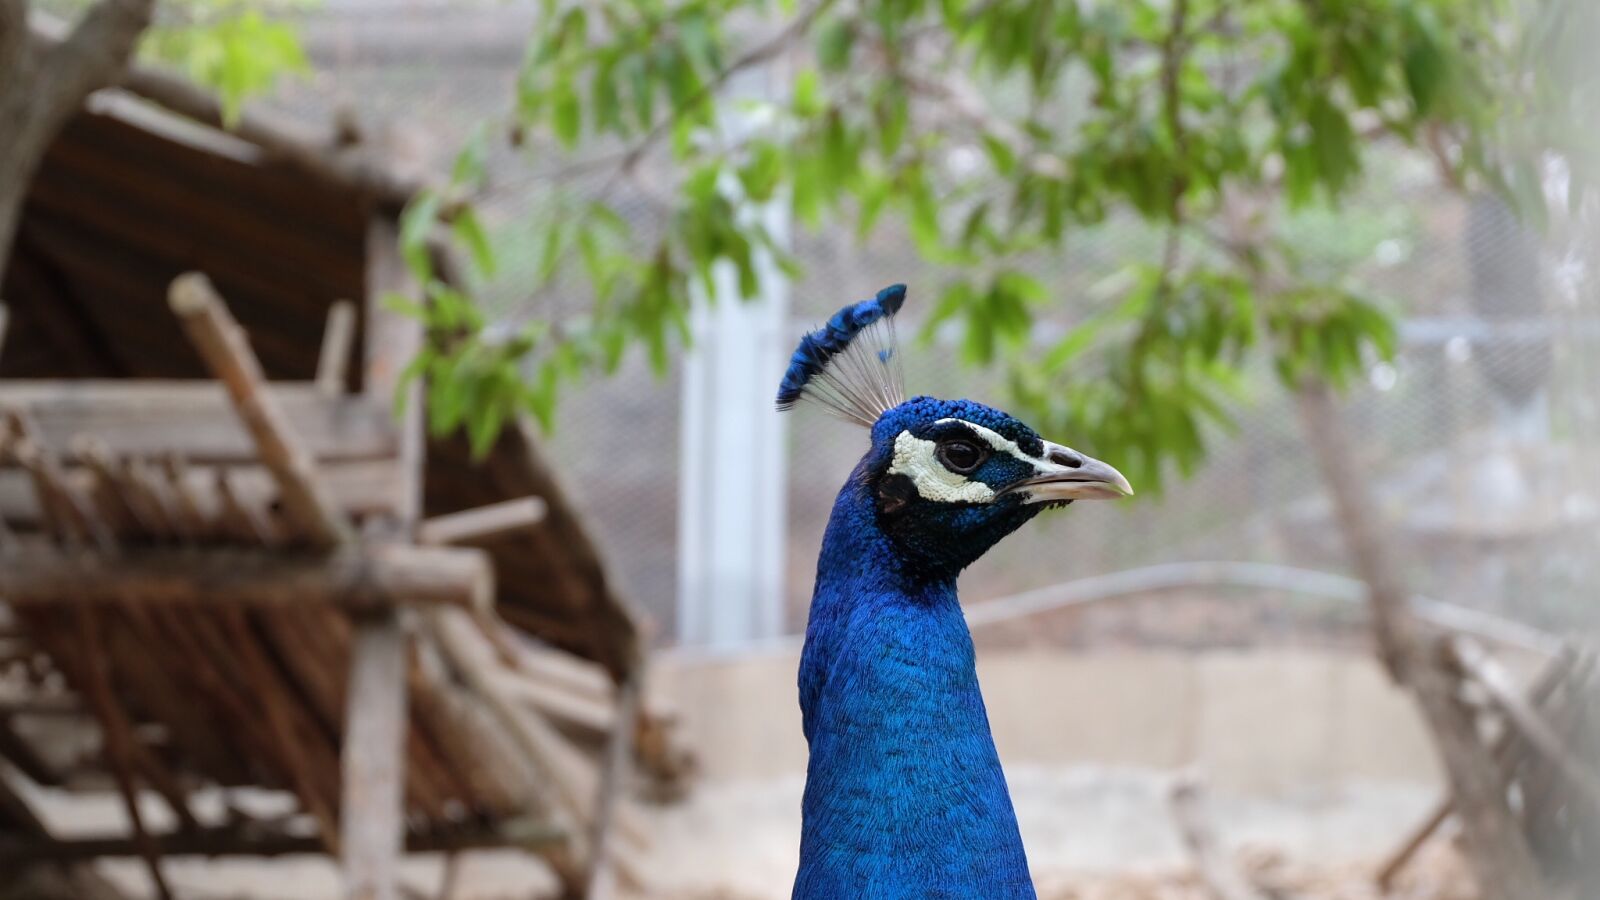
(225,562)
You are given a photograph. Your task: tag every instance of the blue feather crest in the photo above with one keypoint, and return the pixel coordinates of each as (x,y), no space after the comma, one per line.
(850,366)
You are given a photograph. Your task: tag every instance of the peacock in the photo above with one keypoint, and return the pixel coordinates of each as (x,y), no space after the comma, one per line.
(904,794)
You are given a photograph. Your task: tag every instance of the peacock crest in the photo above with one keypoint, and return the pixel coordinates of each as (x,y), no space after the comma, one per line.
(850,367)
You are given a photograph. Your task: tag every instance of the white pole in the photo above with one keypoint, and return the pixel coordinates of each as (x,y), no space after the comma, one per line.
(733,473)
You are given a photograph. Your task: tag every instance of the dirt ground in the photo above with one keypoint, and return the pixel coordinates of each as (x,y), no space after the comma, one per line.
(1092,834)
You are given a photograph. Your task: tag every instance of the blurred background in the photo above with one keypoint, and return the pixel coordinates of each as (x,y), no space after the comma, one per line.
(1210,633)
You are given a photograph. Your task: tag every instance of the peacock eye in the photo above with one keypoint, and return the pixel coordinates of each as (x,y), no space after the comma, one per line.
(960,456)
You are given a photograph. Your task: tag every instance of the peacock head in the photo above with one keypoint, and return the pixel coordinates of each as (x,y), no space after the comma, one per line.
(948,478)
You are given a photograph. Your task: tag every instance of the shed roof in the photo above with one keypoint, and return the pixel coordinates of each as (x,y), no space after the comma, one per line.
(131,196)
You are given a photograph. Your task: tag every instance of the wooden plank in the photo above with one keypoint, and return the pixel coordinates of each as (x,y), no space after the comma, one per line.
(354,578)
(482,523)
(195,419)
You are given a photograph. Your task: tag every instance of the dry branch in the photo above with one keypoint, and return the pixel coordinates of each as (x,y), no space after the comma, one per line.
(357,579)
(119,743)
(1544,685)
(1525,719)
(226,351)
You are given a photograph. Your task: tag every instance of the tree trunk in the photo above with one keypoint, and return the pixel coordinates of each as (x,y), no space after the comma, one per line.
(1496,848)
(42,86)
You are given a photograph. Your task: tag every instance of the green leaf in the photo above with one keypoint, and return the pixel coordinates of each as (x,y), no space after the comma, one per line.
(416,225)
(567,115)
(470,169)
(834,41)
(469,230)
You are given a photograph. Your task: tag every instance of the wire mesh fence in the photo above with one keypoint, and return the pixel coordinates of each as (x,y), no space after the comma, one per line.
(1482,437)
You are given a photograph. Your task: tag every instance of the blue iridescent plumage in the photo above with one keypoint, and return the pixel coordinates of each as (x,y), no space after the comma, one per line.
(905,798)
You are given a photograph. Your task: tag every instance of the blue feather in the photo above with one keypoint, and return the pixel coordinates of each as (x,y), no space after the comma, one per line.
(819,347)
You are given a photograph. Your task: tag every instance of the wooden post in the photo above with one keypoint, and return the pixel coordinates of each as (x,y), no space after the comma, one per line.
(374,765)
(601,874)
(334,363)
(375,715)
(226,351)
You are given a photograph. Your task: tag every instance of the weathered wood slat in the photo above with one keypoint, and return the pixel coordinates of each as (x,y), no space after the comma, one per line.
(359,488)
(195,419)
(359,579)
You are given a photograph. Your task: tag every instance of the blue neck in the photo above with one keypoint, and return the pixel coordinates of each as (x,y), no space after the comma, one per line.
(904,793)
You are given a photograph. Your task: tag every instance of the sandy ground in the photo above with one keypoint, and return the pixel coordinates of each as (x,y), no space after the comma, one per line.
(1092,834)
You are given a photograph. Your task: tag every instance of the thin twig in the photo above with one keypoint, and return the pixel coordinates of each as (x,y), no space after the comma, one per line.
(118,743)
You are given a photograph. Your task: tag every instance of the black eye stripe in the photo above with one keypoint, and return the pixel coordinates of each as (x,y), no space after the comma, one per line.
(954,429)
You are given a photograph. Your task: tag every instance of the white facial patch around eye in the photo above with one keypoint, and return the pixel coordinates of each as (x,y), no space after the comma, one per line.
(915,459)
(999,442)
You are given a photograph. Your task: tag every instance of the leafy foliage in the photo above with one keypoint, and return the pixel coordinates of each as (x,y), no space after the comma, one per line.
(991,132)
(234,47)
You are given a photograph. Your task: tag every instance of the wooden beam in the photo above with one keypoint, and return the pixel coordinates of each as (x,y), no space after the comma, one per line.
(249,842)
(355,578)
(226,351)
(481,523)
(359,488)
(333,364)
(195,418)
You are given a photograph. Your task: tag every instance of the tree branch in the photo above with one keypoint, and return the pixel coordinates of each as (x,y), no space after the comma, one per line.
(752,57)
(13,37)
(94,54)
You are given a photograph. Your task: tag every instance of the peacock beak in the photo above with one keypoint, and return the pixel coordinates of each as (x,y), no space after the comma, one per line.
(1066,474)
